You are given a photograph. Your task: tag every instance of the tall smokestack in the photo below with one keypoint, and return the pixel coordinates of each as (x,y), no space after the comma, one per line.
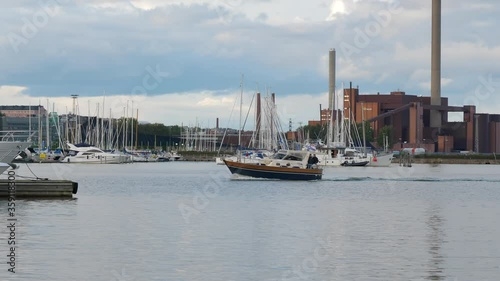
(436,63)
(331,78)
(320,116)
(217,123)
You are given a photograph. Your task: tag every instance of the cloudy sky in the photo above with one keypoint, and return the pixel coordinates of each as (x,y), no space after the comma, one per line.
(181,62)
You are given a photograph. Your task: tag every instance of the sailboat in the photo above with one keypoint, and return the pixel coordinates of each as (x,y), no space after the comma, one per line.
(284,165)
(336,152)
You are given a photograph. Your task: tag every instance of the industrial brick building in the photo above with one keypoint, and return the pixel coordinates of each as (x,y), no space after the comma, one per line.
(410,119)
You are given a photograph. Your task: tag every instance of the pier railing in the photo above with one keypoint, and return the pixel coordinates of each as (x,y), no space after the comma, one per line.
(16,135)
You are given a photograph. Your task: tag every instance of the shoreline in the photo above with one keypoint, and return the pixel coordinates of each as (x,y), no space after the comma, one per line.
(436,161)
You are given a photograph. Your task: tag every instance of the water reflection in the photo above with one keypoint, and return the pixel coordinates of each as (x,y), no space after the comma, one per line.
(435,239)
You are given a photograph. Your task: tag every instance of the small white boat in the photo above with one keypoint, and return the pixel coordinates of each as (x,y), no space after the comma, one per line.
(381,160)
(174,156)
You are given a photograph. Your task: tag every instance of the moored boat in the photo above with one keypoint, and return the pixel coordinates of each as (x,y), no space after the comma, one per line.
(92,155)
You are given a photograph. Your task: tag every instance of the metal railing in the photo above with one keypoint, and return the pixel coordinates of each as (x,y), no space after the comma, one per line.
(13,135)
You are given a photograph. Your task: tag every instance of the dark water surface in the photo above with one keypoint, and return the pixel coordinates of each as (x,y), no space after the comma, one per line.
(194,221)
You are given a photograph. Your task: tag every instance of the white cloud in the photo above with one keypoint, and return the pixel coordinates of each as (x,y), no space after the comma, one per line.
(337,7)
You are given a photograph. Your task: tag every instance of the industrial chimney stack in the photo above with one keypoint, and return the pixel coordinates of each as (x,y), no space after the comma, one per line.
(436,63)
(331,78)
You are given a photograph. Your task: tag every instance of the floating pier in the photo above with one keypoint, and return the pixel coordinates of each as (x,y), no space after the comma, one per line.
(38,188)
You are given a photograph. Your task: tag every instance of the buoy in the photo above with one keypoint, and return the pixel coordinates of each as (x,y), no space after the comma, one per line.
(374,159)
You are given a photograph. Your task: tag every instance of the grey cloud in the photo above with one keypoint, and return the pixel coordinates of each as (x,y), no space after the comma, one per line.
(208,45)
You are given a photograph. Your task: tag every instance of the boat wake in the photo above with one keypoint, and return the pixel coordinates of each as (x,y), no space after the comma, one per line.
(411,179)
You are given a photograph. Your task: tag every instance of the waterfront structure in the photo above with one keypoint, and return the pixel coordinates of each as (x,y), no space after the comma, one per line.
(409,116)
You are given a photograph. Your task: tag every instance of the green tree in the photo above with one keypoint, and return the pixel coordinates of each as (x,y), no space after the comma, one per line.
(315,132)
(368,131)
(385,131)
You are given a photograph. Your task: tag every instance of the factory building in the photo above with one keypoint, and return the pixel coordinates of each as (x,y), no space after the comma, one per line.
(409,116)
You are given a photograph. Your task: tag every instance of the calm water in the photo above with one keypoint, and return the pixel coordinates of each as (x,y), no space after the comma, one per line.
(193,221)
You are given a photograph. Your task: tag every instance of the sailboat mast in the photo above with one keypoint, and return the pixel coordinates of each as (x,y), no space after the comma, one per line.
(102,121)
(132,127)
(241,110)
(47,127)
(137,129)
(29,120)
(39,127)
(110,130)
(126,126)
(363,125)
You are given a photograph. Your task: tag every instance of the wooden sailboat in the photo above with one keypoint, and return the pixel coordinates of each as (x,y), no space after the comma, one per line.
(286,165)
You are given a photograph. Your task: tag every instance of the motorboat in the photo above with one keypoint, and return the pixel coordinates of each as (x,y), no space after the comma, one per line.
(342,157)
(174,156)
(285,165)
(9,149)
(93,155)
(380,160)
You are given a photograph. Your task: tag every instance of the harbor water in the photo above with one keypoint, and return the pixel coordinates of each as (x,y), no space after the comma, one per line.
(195,221)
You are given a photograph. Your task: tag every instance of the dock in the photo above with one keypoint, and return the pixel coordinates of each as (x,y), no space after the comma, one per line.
(39,188)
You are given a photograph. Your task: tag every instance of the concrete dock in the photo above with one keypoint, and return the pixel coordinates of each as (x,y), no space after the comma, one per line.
(39,188)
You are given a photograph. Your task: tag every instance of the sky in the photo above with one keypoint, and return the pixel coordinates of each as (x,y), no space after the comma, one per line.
(183,62)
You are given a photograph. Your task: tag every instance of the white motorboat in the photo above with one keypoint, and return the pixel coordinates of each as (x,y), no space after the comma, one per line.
(342,157)
(381,160)
(174,156)
(4,167)
(9,149)
(93,155)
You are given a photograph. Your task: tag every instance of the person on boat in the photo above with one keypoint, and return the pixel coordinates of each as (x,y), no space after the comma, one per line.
(314,160)
(310,161)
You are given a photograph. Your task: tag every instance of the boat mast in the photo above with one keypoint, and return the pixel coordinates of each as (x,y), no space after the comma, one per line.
(47,125)
(29,120)
(39,128)
(363,126)
(126,127)
(241,110)
(136,129)
(132,128)
(102,122)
